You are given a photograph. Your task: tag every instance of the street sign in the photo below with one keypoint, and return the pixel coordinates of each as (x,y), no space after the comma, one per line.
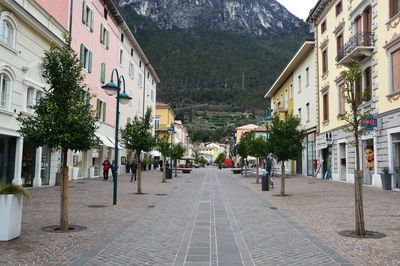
(369,123)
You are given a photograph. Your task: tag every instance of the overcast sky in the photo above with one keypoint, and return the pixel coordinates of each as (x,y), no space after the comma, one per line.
(300,8)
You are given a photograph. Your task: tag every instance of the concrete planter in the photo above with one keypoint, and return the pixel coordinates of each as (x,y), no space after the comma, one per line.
(386,181)
(75,172)
(10,217)
(91,172)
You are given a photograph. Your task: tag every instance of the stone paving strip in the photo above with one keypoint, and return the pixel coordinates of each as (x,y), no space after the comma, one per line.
(325,208)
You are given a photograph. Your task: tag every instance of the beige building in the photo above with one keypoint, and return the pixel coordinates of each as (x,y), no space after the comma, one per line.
(365,32)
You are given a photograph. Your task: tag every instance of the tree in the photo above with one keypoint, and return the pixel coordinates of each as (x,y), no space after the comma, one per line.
(64,119)
(164,147)
(258,148)
(285,142)
(220,158)
(242,148)
(177,152)
(353,117)
(137,136)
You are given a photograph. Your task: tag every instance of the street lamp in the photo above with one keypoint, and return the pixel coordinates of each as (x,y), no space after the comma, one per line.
(171,130)
(112,89)
(266,121)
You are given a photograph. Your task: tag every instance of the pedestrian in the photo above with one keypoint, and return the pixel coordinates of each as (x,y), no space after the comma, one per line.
(106,167)
(133,170)
(219,165)
(114,167)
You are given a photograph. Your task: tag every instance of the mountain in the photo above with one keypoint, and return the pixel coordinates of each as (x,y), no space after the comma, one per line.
(224,53)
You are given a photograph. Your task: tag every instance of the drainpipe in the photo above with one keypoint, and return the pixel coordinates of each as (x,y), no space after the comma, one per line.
(144,86)
(71,5)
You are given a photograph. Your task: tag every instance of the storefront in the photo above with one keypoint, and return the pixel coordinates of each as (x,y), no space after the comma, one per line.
(394,156)
(311,153)
(327,163)
(368,161)
(45,166)
(28,164)
(7,158)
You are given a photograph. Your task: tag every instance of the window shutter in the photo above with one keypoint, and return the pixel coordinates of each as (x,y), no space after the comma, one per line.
(103,73)
(396,70)
(98,109)
(82,55)
(90,62)
(104,112)
(107,39)
(101,33)
(84,18)
(91,20)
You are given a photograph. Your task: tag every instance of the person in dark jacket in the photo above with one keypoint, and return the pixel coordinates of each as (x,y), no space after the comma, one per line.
(133,170)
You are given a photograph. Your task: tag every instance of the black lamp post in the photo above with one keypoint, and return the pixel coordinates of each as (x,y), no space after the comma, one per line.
(112,89)
(171,130)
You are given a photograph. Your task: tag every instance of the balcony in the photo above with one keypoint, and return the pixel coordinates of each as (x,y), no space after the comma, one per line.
(358,48)
(283,107)
(162,127)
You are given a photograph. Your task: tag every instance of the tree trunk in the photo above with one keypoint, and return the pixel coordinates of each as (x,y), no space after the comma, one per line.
(245,167)
(176,168)
(358,190)
(139,175)
(257,173)
(164,172)
(64,225)
(283,176)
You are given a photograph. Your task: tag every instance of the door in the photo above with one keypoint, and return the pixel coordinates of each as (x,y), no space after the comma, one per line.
(299,165)
(342,162)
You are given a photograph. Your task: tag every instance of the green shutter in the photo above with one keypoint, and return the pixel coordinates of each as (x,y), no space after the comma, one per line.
(91,20)
(90,62)
(82,55)
(98,109)
(104,111)
(103,73)
(84,18)
(101,34)
(107,38)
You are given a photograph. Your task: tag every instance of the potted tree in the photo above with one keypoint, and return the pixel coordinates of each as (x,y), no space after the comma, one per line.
(11,199)
(386,178)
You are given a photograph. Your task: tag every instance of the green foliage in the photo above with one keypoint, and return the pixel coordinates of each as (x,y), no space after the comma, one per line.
(220,158)
(64,118)
(243,147)
(178,151)
(164,146)
(18,191)
(200,159)
(137,134)
(285,141)
(258,146)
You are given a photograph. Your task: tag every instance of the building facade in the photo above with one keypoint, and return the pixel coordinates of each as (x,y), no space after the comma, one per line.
(163,119)
(364,32)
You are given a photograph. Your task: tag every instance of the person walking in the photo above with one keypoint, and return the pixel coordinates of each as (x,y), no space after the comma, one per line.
(133,170)
(106,167)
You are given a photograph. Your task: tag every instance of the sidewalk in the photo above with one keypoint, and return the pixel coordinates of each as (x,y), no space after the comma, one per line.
(326,207)
(103,224)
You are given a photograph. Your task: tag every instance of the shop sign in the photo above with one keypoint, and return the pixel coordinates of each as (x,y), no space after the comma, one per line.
(369,123)
(328,137)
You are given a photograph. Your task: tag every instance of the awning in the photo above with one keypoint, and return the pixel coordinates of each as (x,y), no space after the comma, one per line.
(155,153)
(106,142)
(113,143)
(188,158)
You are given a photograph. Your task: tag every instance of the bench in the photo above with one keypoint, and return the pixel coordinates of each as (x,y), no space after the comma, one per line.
(236,171)
(185,170)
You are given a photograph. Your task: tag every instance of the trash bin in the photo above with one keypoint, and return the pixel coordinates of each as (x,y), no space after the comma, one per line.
(58,178)
(264,181)
(168,173)
(386,181)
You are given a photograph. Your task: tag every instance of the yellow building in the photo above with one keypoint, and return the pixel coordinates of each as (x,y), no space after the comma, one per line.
(163,119)
(212,152)
(366,32)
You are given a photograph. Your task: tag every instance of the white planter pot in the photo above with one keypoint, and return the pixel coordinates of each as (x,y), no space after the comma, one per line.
(75,171)
(91,172)
(10,217)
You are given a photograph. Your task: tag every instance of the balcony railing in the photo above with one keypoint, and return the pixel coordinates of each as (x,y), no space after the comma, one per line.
(162,127)
(356,49)
(283,106)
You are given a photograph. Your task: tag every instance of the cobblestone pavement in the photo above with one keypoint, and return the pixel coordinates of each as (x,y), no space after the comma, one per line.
(208,217)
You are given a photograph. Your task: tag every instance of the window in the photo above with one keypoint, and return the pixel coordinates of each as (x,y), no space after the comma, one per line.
(394,7)
(104,36)
(87,16)
(140,80)
(339,42)
(291,91)
(307,76)
(101,110)
(131,51)
(339,8)
(131,70)
(324,61)
(157,122)
(105,13)
(152,95)
(5,92)
(299,82)
(368,83)
(86,58)
(103,73)
(342,103)
(323,27)
(396,70)
(308,111)
(326,106)
(300,114)
(148,74)
(122,37)
(121,57)
(140,63)
(6,32)
(32,97)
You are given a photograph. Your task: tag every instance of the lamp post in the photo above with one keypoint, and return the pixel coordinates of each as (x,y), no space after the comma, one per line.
(171,130)
(111,89)
(268,118)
